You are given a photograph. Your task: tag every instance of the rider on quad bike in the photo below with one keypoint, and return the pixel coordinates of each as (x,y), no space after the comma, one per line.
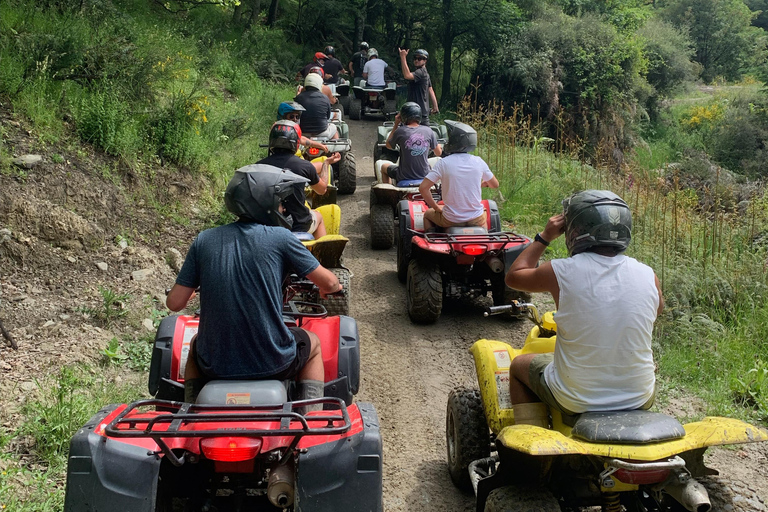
(606,303)
(462,176)
(373,71)
(284,140)
(240,268)
(291,111)
(415,142)
(357,62)
(332,67)
(419,84)
(315,120)
(318,61)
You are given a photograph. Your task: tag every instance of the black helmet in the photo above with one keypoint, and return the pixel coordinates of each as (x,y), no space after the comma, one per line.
(421,53)
(462,138)
(285,135)
(330,51)
(255,192)
(363,45)
(596,218)
(410,111)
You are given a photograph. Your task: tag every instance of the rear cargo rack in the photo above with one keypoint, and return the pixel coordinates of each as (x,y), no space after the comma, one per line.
(477,238)
(132,423)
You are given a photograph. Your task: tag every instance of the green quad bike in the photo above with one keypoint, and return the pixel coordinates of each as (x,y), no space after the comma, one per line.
(633,461)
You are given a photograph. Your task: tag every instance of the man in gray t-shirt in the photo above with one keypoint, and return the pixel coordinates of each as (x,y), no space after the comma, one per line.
(415,142)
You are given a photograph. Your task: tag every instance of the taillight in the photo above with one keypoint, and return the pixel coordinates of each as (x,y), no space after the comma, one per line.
(651,476)
(314,151)
(230,449)
(373,95)
(474,249)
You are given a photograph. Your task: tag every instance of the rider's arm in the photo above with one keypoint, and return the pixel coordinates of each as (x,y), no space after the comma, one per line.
(404,65)
(322,172)
(525,276)
(424,190)
(491,183)
(432,97)
(438,151)
(661,297)
(392,132)
(179,297)
(329,94)
(325,280)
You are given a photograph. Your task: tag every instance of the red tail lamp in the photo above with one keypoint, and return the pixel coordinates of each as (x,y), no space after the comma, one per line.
(474,249)
(314,151)
(652,476)
(230,449)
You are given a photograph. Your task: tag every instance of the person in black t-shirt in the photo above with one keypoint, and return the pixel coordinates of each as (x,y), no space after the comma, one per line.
(419,84)
(357,62)
(332,66)
(319,61)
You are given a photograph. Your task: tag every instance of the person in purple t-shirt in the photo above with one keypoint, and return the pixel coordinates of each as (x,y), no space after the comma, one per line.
(415,142)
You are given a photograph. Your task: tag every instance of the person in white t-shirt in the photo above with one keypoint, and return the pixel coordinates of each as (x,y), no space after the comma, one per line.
(607,304)
(462,176)
(373,71)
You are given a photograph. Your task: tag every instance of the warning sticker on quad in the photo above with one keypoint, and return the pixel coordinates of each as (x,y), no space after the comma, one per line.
(502,389)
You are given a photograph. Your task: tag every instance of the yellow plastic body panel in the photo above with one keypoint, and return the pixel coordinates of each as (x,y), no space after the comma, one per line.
(711,431)
(331,217)
(327,249)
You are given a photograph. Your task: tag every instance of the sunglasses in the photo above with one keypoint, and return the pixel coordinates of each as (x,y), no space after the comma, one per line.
(293,117)
(419,58)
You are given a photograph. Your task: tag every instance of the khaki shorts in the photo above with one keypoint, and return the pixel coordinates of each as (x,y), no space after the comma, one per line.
(316,216)
(539,385)
(436,217)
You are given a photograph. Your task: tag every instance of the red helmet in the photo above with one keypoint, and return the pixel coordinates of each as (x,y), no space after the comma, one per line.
(317,70)
(320,55)
(285,135)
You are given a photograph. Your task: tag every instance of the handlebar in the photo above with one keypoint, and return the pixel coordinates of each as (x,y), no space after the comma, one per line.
(516,306)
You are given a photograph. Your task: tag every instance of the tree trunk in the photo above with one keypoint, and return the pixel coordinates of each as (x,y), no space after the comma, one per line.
(255,6)
(360,19)
(445,89)
(272,16)
(237,16)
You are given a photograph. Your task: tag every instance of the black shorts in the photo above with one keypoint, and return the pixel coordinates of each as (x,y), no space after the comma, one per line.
(303,351)
(392,172)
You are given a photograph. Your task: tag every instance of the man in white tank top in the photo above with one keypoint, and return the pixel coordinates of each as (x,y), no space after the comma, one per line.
(607,304)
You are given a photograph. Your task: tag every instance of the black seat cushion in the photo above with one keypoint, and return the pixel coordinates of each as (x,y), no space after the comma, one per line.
(627,427)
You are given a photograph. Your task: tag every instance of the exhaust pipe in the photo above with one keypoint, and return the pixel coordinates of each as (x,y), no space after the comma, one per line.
(691,494)
(280,488)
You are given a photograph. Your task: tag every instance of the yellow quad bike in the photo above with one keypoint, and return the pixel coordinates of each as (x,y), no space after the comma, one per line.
(638,461)
(314,199)
(328,251)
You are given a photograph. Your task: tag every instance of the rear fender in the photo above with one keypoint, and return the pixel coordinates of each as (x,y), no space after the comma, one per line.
(106,474)
(328,249)
(331,217)
(340,344)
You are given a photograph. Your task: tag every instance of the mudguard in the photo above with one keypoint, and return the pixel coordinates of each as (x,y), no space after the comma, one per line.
(161,384)
(344,474)
(104,474)
(331,217)
(711,431)
(327,249)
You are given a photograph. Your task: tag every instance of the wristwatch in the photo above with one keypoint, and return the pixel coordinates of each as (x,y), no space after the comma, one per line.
(539,239)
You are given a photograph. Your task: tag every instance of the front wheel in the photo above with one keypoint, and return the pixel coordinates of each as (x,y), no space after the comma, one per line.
(466,434)
(347,173)
(382,226)
(424,296)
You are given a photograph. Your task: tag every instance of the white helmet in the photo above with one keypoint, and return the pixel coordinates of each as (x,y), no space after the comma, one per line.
(314,80)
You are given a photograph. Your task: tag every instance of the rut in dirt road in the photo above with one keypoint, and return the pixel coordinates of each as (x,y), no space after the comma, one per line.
(408,370)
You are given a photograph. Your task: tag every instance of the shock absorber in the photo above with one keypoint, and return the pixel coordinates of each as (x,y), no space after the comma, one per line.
(611,502)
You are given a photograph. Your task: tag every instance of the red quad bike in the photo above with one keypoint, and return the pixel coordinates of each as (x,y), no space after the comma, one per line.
(243,446)
(461,261)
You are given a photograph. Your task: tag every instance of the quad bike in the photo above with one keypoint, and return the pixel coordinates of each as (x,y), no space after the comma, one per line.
(328,251)
(383,205)
(244,445)
(382,152)
(638,461)
(344,174)
(372,100)
(459,261)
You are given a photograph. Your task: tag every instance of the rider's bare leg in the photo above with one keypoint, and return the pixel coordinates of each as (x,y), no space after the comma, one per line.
(320,231)
(384,175)
(519,382)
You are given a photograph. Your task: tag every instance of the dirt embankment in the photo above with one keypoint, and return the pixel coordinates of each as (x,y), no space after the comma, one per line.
(65,219)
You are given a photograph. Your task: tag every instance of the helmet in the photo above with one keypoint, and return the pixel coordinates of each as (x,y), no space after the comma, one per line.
(255,192)
(313,80)
(330,51)
(596,218)
(287,107)
(320,55)
(285,135)
(421,53)
(373,52)
(363,45)
(410,111)
(316,70)
(462,138)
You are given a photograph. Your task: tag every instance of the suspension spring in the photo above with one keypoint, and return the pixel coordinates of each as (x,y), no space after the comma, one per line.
(611,502)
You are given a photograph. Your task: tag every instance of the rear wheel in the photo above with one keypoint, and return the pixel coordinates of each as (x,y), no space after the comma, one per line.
(339,304)
(424,295)
(519,499)
(344,100)
(390,106)
(403,257)
(466,434)
(355,108)
(382,226)
(376,155)
(347,173)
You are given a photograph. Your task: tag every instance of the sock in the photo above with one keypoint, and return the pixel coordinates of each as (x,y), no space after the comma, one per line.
(310,389)
(192,388)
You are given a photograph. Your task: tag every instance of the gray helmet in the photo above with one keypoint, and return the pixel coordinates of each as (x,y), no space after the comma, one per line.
(596,218)
(255,192)
(373,52)
(421,53)
(462,138)
(363,45)
(410,111)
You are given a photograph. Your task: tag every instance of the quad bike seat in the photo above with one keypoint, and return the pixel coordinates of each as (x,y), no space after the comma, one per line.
(466,230)
(240,392)
(409,183)
(303,236)
(626,427)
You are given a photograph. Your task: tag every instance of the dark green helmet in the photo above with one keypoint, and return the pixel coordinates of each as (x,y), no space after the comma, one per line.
(410,111)
(462,138)
(255,192)
(596,218)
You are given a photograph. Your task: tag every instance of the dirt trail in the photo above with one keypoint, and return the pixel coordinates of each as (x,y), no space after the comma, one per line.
(408,370)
